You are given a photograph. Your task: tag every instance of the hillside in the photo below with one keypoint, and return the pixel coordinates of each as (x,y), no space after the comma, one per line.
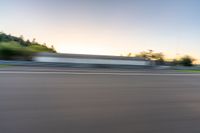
(16,48)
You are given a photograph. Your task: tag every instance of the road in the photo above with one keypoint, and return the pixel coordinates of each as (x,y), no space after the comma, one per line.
(99,102)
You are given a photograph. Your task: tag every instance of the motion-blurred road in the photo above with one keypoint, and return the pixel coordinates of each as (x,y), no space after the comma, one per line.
(98,102)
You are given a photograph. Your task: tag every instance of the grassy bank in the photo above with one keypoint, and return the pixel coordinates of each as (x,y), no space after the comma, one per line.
(189,71)
(3,65)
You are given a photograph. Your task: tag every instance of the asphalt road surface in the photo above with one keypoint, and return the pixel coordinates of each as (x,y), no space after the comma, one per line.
(96,102)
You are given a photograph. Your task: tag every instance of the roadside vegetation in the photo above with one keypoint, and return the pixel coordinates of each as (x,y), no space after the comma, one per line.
(189,71)
(4,66)
(159,59)
(16,48)
(186,61)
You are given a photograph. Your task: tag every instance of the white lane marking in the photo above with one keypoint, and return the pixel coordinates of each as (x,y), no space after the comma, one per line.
(100,73)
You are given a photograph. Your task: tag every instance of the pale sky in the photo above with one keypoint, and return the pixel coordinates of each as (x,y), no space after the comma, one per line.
(108,27)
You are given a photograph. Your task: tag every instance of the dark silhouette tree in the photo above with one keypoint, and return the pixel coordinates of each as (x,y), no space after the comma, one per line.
(186,61)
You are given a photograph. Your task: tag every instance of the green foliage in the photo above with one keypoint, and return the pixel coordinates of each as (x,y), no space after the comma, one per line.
(14,51)
(15,48)
(40,48)
(9,38)
(189,71)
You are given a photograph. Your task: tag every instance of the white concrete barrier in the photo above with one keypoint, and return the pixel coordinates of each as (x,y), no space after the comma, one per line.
(90,59)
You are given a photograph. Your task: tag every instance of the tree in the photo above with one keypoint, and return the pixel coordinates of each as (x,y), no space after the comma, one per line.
(151,55)
(186,61)
(129,54)
(33,41)
(28,42)
(21,37)
(53,48)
